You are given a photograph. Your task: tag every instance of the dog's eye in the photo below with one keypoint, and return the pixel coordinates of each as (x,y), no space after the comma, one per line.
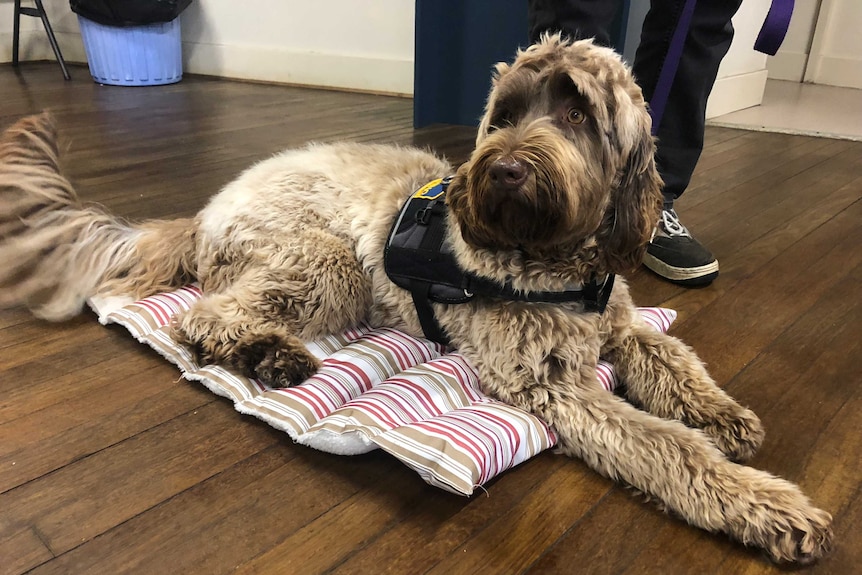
(575,116)
(501,119)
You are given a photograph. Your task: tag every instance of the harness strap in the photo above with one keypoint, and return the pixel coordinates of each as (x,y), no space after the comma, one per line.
(434,235)
(430,327)
(596,296)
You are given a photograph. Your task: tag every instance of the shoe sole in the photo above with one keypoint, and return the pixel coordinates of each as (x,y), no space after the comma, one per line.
(696,276)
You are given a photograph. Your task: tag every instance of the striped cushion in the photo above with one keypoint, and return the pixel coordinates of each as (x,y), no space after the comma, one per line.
(378,388)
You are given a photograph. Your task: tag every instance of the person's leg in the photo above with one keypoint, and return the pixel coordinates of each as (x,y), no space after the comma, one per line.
(709,38)
(673,253)
(577,19)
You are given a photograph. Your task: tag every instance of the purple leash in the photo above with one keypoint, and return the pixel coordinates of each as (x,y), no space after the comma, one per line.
(671,62)
(775,27)
(768,41)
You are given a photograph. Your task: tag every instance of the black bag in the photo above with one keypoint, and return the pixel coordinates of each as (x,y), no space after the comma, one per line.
(125,13)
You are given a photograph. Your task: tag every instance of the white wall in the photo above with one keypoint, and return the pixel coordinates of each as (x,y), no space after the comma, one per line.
(742,75)
(33,44)
(362,45)
(356,44)
(342,43)
(790,61)
(822,45)
(836,49)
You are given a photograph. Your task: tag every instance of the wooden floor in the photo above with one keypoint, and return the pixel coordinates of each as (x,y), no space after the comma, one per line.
(107,473)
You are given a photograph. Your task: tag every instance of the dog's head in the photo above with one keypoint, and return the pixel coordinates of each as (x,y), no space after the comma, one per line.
(563,154)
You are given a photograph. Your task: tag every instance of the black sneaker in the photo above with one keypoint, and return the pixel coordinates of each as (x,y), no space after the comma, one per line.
(674,255)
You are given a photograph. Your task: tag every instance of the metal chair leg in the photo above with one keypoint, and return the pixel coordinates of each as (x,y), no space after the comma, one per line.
(16,31)
(38,11)
(51,38)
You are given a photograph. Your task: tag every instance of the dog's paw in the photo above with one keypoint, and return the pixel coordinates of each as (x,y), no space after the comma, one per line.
(738,434)
(800,536)
(203,349)
(275,360)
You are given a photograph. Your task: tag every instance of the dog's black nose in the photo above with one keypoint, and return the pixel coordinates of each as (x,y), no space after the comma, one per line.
(508,172)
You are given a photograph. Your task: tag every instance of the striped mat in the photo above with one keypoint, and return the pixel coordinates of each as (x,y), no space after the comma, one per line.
(378,388)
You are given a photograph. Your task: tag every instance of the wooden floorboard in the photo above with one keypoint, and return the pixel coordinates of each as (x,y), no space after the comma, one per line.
(109,463)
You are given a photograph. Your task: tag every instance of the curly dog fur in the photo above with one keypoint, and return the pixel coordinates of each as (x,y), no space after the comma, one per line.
(561,187)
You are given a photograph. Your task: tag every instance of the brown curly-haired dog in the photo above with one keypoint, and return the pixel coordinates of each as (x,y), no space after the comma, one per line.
(561,188)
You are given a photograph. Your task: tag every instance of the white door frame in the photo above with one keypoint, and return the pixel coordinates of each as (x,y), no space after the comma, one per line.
(823,67)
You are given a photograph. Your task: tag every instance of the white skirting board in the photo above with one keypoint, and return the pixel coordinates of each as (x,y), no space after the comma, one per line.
(261,63)
(734,93)
(836,71)
(273,64)
(788,66)
(33,46)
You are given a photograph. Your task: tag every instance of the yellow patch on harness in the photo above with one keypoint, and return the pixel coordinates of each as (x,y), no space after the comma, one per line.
(430,191)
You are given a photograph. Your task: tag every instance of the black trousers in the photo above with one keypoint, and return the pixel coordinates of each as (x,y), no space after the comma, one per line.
(680,135)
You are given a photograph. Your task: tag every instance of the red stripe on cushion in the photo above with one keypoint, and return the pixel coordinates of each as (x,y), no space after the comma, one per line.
(505,425)
(160,318)
(325,381)
(607,376)
(464,374)
(350,371)
(392,398)
(417,391)
(439,426)
(377,412)
(308,398)
(408,350)
(496,456)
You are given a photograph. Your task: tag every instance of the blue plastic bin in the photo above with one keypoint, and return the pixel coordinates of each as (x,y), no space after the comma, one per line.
(148,55)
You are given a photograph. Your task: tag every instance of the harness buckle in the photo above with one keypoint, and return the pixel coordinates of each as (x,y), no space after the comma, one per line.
(423,216)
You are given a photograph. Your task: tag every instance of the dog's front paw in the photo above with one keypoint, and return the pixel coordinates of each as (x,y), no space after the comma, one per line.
(738,434)
(799,536)
(275,360)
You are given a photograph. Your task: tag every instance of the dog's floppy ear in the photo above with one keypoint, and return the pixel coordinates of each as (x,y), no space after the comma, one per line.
(636,199)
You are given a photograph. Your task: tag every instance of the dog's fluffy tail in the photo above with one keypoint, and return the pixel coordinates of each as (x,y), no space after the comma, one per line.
(55,252)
